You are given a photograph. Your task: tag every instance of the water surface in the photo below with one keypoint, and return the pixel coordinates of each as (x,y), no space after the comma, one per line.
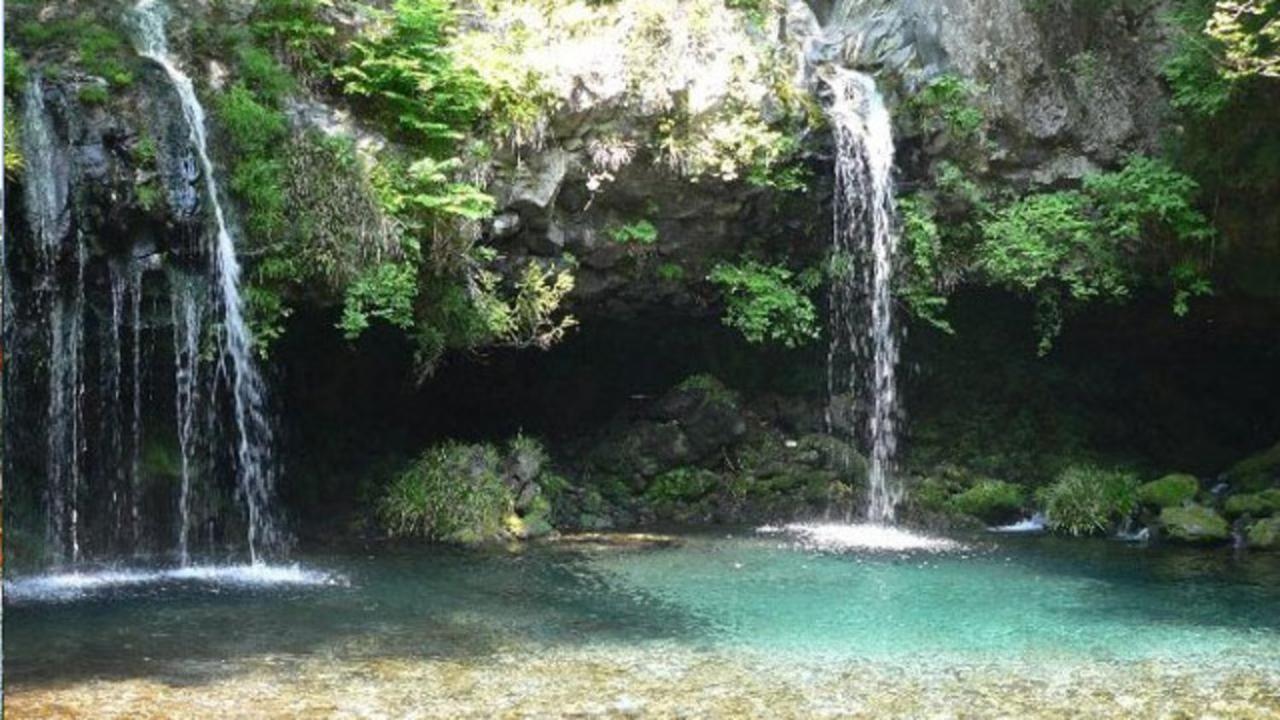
(724,624)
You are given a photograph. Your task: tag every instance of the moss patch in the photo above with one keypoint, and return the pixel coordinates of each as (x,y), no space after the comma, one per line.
(1169,491)
(1194,523)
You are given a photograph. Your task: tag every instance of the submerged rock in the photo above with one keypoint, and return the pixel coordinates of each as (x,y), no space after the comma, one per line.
(1194,523)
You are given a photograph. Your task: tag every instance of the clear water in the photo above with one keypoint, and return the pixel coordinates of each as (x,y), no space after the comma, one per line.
(1024,602)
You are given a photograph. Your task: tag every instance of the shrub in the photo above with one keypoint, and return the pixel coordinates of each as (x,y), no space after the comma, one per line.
(990,501)
(1097,243)
(640,232)
(710,387)
(93,95)
(1087,499)
(406,74)
(454,493)
(946,105)
(682,485)
(768,302)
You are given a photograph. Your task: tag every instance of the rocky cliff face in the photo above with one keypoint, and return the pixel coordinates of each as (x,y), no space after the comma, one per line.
(1068,87)
(659,112)
(1065,92)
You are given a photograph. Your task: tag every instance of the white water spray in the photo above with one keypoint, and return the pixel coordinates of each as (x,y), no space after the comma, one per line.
(254,473)
(865,245)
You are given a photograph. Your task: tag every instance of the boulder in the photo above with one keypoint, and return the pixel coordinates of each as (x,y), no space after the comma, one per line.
(1256,472)
(1169,491)
(1260,504)
(1194,524)
(1265,534)
(992,501)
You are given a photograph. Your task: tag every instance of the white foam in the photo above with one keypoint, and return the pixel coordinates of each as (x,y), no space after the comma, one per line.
(867,536)
(1033,524)
(71,585)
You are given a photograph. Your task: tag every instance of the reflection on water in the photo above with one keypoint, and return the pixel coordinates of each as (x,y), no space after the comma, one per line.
(745,614)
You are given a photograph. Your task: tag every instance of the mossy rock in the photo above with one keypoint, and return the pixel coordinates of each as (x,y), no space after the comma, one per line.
(1260,504)
(992,501)
(1169,491)
(1257,472)
(1194,524)
(1265,534)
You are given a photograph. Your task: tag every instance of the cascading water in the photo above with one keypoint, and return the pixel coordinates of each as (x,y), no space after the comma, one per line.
(863,356)
(135,426)
(46,179)
(188,320)
(78,316)
(254,472)
(65,416)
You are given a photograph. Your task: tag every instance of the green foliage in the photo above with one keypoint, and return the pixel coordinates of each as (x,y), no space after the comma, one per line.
(295,31)
(404,72)
(681,485)
(267,312)
(640,232)
(474,309)
(14,163)
(261,74)
(708,386)
(452,493)
(755,10)
(150,196)
(387,292)
(1249,33)
(253,127)
(94,47)
(1169,491)
(105,52)
(1197,85)
(924,286)
(989,500)
(15,71)
(768,302)
(1074,246)
(671,272)
(1086,499)
(93,94)
(945,105)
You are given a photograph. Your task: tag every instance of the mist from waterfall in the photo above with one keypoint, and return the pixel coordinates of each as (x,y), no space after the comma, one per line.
(863,356)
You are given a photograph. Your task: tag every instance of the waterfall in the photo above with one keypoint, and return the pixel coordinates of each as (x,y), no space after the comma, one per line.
(188,319)
(863,355)
(110,389)
(46,178)
(254,473)
(135,426)
(65,415)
